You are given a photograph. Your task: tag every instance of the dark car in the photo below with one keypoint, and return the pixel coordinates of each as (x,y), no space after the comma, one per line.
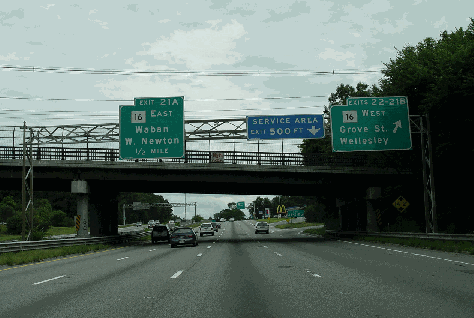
(214,226)
(160,232)
(183,236)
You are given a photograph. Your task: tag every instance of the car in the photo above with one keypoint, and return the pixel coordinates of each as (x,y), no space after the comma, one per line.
(183,236)
(160,233)
(206,228)
(139,223)
(214,226)
(218,225)
(151,224)
(222,220)
(262,227)
(231,219)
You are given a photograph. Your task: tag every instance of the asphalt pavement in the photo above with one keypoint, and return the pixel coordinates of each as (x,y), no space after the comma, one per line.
(237,273)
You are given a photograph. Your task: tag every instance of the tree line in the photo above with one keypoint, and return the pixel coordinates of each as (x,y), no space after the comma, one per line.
(437,76)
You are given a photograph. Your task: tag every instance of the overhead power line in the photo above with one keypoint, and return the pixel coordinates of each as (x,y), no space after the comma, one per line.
(131,100)
(78,70)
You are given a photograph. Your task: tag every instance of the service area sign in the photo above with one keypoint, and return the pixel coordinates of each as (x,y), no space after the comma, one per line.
(152,128)
(282,127)
(371,124)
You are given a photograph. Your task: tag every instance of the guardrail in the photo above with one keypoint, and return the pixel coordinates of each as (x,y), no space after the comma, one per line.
(426,236)
(46,244)
(401,162)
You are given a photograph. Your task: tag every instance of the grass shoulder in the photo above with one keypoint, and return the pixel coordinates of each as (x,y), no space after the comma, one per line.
(296,225)
(25,257)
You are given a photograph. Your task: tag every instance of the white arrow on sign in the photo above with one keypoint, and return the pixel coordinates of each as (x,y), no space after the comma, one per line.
(313,130)
(398,124)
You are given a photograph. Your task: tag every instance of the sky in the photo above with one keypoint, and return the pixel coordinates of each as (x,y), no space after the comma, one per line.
(229,59)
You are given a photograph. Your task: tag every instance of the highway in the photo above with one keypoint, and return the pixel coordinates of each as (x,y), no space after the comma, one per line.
(237,273)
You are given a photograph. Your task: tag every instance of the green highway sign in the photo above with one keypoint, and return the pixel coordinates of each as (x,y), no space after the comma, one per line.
(240,205)
(295,213)
(152,128)
(371,124)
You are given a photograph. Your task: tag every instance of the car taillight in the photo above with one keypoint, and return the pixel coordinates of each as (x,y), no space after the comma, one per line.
(190,235)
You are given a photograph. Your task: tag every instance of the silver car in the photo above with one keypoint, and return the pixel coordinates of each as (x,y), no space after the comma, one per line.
(206,228)
(262,227)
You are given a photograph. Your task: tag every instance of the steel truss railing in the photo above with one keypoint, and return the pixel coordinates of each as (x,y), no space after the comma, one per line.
(193,156)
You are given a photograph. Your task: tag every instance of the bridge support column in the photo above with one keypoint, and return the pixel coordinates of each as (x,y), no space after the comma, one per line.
(82,189)
(104,212)
(339,204)
(373,193)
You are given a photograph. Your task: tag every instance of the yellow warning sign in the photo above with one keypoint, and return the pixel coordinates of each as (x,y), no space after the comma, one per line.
(401,204)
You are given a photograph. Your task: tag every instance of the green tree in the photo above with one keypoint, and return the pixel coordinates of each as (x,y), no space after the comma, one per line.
(60,218)
(161,213)
(437,76)
(8,207)
(198,218)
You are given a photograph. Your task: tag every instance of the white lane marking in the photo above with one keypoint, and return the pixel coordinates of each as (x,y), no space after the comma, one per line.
(416,254)
(152,250)
(176,274)
(265,246)
(200,254)
(44,281)
(209,246)
(119,259)
(314,275)
(277,253)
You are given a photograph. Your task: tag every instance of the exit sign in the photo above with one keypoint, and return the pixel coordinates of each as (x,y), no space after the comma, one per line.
(152,128)
(371,124)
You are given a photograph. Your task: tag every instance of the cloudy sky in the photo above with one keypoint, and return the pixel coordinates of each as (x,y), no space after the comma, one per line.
(284,57)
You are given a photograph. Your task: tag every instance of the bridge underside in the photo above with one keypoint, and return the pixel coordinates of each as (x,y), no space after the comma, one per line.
(194,178)
(107,179)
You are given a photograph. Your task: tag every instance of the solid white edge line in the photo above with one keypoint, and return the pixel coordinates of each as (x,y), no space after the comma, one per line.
(176,274)
(44,281)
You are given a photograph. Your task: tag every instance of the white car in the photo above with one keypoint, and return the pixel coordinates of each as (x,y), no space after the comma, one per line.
(262,227)
(206,228)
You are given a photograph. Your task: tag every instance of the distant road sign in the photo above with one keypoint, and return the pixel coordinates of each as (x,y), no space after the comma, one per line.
(283,127)
(240,205)
(295,213)
(371,124)
(152,128)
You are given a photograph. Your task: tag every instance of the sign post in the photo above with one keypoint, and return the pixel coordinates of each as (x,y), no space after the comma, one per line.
(371,124)
(152,128)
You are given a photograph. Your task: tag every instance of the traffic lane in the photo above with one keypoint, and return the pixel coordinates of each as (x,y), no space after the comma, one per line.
(141,291)
(364,280)
(83,276)
(223,283)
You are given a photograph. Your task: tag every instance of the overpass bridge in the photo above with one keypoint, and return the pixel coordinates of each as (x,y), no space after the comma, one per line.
(97,175)
(103,176)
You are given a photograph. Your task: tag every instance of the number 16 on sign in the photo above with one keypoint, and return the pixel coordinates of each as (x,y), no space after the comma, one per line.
(349,116)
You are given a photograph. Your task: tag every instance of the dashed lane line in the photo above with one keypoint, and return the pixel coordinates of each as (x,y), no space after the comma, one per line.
(44,281)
